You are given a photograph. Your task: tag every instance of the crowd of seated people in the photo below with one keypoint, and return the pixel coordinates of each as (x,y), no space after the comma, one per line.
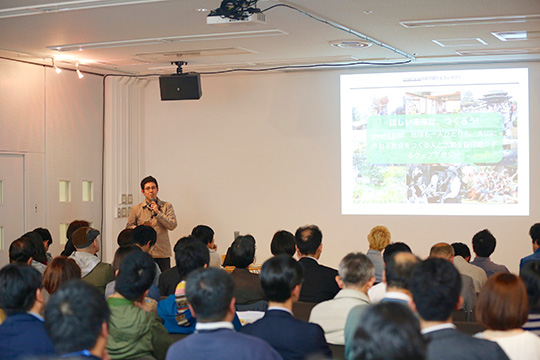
(75,306)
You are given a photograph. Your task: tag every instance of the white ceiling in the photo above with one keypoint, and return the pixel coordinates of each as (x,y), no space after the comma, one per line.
(291,38)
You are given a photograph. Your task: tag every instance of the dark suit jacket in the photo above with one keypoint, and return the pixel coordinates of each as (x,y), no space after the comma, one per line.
(167,281)
(450,344)
(292,338)
(221,344)
(319,281)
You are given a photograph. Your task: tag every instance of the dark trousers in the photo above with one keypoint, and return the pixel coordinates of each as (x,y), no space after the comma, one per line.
(163,263)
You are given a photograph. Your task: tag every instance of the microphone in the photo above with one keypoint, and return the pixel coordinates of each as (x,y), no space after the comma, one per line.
(153,212)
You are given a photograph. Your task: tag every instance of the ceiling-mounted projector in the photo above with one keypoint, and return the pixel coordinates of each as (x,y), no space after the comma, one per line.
(236,11)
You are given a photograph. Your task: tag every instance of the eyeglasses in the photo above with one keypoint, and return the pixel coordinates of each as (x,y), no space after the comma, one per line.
(150,188)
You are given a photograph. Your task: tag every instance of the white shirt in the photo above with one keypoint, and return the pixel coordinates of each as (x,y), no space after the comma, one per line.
(200,326)
(523,346)
(377,292)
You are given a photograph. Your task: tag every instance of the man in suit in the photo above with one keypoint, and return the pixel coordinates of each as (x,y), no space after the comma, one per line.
(356,277)
(319,280)
(22,334)
(281,279)
(210,295)
(534,232)
(435,287)
(446,251)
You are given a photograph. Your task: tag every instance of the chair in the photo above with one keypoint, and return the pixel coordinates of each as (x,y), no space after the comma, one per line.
(302,310)
(469,327)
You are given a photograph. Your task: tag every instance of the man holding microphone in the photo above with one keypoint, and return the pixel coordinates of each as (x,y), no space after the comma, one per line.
(158,214)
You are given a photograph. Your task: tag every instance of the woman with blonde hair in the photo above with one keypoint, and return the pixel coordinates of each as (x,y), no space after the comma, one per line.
(378,238)
(502,307)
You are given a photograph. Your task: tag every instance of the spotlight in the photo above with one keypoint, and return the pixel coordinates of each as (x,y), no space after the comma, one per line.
(79,73)
(56,68)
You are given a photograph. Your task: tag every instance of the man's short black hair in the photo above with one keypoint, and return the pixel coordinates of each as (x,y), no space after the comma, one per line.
(135,275)
(388,330)
(21,250)
(399,270)
(74,316)
(534,232)
(279,275)
(484,243)
(242,251)
(147,180)
(283,242)
(530,273)
(18,286)
(395,248)
(435,287)
(461,249)
(210,291)
(308,239)
(190,254)
(45,235)
(144,234)
(203,233)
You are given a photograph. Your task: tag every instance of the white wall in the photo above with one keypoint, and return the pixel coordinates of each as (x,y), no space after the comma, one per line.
(259,153)
(55,122)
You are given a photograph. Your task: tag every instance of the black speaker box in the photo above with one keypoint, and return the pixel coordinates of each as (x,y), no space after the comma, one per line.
(180,86)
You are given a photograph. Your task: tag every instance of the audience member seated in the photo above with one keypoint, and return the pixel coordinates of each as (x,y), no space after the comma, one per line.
(281,279)
(93,271)
(378,238)
(134,328)
(21,251)
(484,243)
(446,251)
(283,242)
(125,237)
(22,334)
(190,254)
(319,280)
(39,259)
(169,279)
(76,319)
(210,295)
(60,270)
(462,256)
(530,273)
(145,237)
(46,237)
(206,235)
(534,232)
(73,226)
(356,277)
(119,256)
(503,308)
(388,331)
(378,291)
(247,285)
(436,287)
(397,275)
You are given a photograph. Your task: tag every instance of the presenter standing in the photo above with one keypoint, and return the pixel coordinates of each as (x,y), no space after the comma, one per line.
(158,214)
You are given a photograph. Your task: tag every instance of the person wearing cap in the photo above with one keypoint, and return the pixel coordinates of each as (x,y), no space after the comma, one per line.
(157,214)
(93,270)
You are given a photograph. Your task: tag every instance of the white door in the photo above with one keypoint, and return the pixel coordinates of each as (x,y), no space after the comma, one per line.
(11,202)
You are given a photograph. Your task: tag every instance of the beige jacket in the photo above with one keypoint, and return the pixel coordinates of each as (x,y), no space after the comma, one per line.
(164,221)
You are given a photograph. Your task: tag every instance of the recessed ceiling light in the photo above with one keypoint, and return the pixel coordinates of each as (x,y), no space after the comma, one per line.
(486,52)
(459,42)
(470,21)
(350,44)
(66,6)
(510,35)
(202,10)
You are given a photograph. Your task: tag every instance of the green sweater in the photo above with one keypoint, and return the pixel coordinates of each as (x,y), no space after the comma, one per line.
(134,332)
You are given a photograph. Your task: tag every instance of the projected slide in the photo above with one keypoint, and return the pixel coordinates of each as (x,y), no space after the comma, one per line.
(435,143)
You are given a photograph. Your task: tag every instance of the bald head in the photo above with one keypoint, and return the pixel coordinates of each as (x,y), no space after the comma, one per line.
(399,269)
(442,251)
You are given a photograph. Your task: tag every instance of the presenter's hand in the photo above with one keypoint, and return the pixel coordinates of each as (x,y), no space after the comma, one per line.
(154,207)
